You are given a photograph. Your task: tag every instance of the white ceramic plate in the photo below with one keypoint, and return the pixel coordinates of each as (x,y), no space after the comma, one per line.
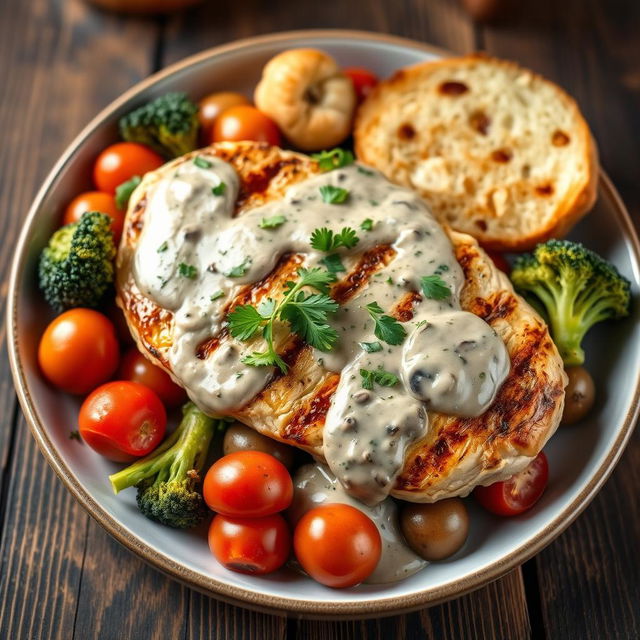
(580,457)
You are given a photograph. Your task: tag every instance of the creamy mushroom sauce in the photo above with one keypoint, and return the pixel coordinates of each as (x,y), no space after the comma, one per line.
(193,255)
(314,484)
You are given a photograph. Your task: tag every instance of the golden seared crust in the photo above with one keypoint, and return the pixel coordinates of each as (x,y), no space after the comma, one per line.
(457,454)
(497,151)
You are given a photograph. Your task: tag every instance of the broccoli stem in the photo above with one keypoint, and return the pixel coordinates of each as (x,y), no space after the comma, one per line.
(185,449)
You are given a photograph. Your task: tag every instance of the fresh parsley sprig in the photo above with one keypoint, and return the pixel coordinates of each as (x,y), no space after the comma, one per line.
(334,159)
(333,195)
(273,222)
(324,239)
(306,314)
(379,376)
(387,328)
(434,287)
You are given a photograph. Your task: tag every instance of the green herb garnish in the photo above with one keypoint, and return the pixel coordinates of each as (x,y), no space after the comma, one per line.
(239,270)
(217,295)
(387,328)
(370,347)
(366,225)
(334,159)
(333,263)
(333,195)
(379,376)
(306,314)
(124,191)
(219,189)
(163,247)
(324,239)
(273,222)
(434,287)
(201,163)
(187,270)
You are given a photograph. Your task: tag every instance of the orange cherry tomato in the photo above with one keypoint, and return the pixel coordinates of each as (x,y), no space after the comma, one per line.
(96,201)
(363,81)
(79,350)
(122,420)
(517,494)
(250,545)
(135,367)
(211,106)
(337,545)
(245,122)
(120,162)
(500,261)
(247,484)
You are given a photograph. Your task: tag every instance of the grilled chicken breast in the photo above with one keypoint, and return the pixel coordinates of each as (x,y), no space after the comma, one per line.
(456,453)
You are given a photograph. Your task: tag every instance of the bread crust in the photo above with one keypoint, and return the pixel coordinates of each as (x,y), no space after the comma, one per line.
(457,453)
(371,137)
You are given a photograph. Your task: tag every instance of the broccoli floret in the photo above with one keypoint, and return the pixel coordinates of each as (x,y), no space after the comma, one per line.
(76,267)
(168,124)
(574,288)
(168,479)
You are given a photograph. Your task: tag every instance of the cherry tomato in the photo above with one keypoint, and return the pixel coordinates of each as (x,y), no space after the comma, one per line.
(248,484)
(337,545)
(517,494)
(500,261)
(363,81)
(211,106)
(122,420)
(120,162)
(245,122)
(250,545)
(96,201)
(135,367)
(78,350)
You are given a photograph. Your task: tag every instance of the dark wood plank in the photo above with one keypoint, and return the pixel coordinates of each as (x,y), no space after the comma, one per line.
(497,611)
(589,578)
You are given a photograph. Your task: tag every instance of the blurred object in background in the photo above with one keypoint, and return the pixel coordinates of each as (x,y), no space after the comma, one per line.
(486,10)
(144,6)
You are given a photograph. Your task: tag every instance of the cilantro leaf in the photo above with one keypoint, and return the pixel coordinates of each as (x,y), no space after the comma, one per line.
(244,322)
(187,271)
(333,263)
(387,328)
(366,172)
(334,159)
(333,195)
(434,287)
(219,189)
(217,295)
(307,317)
(124,191)
(370,347)
(316,278)
(272,223)
(324,239)
(265,359)
(367,224)
(163,247)
(239,270)
(379,376)
(201,163)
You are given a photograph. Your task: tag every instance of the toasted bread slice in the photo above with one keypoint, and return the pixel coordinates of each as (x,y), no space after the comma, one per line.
(496,150)
(457,453)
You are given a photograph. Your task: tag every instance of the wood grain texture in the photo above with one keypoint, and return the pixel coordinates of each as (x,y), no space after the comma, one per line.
(589,578)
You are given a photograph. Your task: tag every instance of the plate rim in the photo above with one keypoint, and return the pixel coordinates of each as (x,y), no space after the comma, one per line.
(266,603)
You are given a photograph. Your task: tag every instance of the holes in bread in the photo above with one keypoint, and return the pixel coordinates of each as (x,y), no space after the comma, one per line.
(502,156)
(560,138)
(452,88)
(480,122)
(406,131)
(545,189)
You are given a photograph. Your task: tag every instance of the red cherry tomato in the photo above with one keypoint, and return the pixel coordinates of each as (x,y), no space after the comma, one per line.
(517,494)
(337,545)
(500,261)
(78,350)
(245,122)
(122,420)
(96,201)
(248,484)
(134,366)
(363,81)
(250,545)
(120,162)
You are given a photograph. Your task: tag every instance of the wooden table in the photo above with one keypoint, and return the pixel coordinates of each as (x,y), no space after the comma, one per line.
(62,576)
